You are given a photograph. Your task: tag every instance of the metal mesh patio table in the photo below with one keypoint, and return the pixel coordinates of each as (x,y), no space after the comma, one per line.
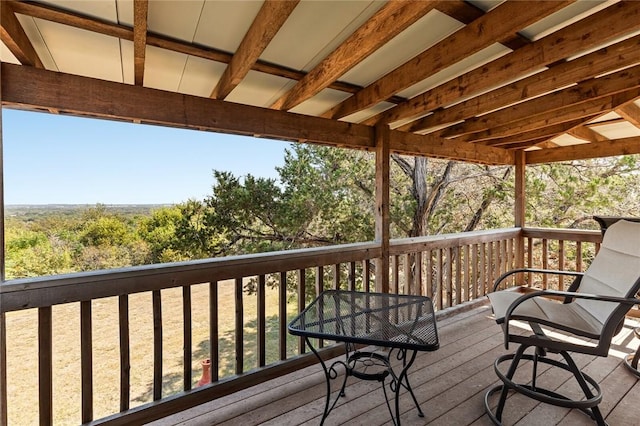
(402,324)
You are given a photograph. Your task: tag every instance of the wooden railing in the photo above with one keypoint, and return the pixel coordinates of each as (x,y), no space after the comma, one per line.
(196,296)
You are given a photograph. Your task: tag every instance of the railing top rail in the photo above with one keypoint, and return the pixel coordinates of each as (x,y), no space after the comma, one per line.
(432,242)
(47,291)
(582,235)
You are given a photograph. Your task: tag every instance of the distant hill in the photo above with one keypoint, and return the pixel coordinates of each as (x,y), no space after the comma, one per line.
(63,209)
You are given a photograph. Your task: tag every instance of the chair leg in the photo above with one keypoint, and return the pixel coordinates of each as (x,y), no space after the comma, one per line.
(580,378)
(504,389)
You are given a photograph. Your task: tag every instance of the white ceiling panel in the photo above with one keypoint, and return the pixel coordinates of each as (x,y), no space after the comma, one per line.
(223,24)
(258,89)
(6,55)
(609,116)
(81,52)
(102,9)
(321,102)
(41,48)
(315,29)
(566,140)
(368,113)
(467,64)
(200,76)
(565,16)
(125,12)
(163,68)
(126,52)
(430,29)
(176,19)
(617,130)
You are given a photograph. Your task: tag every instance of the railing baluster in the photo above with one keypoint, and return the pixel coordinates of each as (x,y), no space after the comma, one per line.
(429,273)
(529,260)
(336,276)
(458,275)
(282,307)
(320,289)
(125,356)
(579,256)
(86,363)
(545,261)
(214,345)
(366,275)
(187,336)
(3,369)
(449,277)
(439,273)
(239,326)
(475,278)
(302,300)
(262,322)
(418,288)
(352,276)
(408,275)
(395,275)
(561,264)
(157,344)
(45,365)
(467,277)
(483,270)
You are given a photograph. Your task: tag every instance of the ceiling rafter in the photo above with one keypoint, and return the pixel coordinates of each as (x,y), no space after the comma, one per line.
(594,107)
(585,34)
(631,113)
(140,13)
(270,18)
(532,137)
(605,60)
(16,40)
(587,134)
(586,91)
(626,146)
(390,20)
(507,18)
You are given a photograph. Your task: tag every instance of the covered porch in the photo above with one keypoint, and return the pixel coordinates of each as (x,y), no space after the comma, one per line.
(498,83)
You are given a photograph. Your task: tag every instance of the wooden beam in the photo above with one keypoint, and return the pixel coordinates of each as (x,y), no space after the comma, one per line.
(30,88)
(495,26)
(591,109)
(140,12)
(14,37)
(611,58)
(393,18)
(548,132)
(587,91)
(432,146)
(591,32)
(586,134)
(270,18)
(627,146)
(631,113)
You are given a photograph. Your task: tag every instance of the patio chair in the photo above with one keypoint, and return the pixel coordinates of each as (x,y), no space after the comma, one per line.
(592,311)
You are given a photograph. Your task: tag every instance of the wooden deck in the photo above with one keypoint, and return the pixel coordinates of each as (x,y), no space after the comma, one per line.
(449,383)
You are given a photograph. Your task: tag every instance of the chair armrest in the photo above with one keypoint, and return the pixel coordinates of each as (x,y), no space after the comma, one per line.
(566,294)
(535,271)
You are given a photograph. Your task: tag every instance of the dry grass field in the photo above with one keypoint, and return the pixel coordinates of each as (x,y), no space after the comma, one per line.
(22,350)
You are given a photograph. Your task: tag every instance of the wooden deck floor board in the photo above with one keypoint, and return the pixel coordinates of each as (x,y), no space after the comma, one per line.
(449,383)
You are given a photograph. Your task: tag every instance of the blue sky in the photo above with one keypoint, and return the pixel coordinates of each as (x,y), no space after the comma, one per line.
(53,159)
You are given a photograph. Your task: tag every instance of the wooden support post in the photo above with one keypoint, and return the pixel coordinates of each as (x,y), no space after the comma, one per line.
(382,138)
(519,208)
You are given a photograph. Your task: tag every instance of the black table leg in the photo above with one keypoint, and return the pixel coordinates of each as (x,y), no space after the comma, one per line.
(330,373)
(402,381)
